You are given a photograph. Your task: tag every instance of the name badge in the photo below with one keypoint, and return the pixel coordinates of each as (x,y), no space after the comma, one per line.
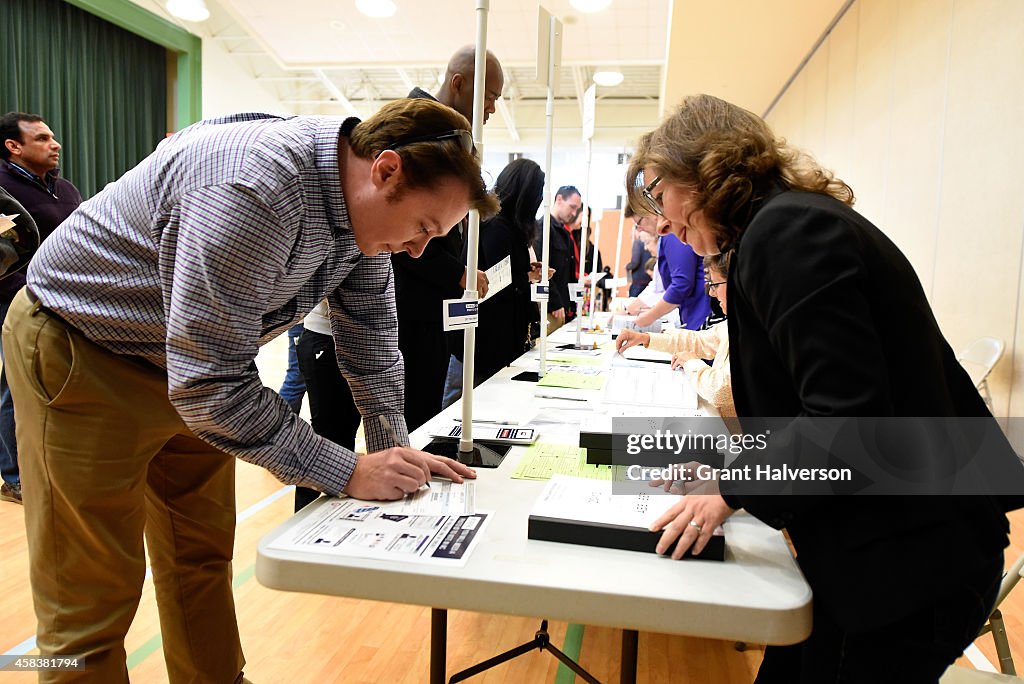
(460,313)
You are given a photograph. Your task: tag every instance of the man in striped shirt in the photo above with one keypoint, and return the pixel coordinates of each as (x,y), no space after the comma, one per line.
(131,356)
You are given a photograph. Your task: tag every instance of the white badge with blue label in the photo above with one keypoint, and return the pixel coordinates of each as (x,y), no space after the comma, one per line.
(576,292)
(460,313)
(538,292)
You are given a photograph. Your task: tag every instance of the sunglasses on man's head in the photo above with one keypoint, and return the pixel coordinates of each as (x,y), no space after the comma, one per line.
(464,137)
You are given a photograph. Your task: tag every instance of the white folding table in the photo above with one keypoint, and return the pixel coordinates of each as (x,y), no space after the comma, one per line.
(756,595)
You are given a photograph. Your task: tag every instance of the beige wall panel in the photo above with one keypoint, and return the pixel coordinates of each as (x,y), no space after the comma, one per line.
(815,77)
(978,257)
(918,113)
(839,107)
(787,118)
(873,102)
(779,117)
(1009,374)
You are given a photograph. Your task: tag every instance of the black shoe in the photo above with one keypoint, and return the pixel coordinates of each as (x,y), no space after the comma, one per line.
(10,492)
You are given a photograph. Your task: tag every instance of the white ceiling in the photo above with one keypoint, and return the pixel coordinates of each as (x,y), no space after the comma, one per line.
(324,56)
(316,33)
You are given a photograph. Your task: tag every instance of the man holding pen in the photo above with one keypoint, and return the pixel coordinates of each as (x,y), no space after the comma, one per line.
(131,356)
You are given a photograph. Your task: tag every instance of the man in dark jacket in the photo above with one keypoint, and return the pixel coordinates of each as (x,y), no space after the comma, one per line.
(564,257)
(29,172)
(423,283)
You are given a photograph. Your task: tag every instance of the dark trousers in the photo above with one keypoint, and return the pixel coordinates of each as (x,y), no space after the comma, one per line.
(332,410)
(916,649)
(292,388)
(425,350)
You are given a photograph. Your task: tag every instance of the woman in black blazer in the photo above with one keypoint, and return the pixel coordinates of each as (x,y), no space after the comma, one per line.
(503,327)
(827,318)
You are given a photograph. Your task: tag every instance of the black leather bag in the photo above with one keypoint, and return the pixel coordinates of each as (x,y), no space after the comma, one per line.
(17,243)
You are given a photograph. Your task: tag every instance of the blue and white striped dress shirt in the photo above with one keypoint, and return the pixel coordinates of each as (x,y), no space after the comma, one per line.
(224,237)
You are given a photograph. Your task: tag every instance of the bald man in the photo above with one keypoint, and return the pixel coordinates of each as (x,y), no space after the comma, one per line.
(440,272)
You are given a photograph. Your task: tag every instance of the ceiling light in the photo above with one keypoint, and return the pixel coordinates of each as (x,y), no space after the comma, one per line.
(608,78)
(189,10)
(591,5)
(378,9)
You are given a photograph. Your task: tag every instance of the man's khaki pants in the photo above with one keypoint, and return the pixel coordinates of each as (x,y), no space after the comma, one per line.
(104,456)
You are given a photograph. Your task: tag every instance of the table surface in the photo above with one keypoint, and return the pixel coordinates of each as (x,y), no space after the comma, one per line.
(757,594)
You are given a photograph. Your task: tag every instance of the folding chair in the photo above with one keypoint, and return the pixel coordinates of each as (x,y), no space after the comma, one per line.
(978,359)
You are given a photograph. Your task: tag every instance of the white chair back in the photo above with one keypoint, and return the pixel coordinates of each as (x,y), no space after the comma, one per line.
(980,357)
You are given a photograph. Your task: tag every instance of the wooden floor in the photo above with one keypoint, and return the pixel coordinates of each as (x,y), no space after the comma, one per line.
(298,638)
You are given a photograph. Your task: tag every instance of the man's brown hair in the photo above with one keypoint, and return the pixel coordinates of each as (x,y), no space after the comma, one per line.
(425,162)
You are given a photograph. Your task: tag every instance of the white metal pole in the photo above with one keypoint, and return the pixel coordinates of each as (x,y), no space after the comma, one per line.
(473,231)
(584,229)
(549,117)
(593,272)
(618,246)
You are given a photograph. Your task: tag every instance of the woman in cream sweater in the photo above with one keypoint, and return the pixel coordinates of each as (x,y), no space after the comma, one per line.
(688,347)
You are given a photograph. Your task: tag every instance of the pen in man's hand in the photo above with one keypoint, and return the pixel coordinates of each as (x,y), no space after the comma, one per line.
(393,435)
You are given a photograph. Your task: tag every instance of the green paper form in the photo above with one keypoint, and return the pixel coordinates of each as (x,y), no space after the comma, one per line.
(565,360)
(572,380)
(541,461)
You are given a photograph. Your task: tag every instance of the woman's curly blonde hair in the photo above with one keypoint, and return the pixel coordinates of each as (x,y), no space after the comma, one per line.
(730,158)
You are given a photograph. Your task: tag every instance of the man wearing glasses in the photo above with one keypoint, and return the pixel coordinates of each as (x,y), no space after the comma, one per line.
(131,356)
(423,283)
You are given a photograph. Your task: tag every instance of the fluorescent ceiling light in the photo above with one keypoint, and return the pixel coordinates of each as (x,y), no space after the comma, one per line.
(608,78)
(378,9)
(189,10)
(591,5)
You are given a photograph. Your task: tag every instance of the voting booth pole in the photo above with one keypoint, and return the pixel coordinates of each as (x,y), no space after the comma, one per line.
(473,231)
(589,103)
(618,244)
(594,275)
(549,42)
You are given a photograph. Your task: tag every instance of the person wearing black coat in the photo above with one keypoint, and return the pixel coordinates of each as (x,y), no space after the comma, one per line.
(827,319)
(563,257)
(439,273)
(503,328)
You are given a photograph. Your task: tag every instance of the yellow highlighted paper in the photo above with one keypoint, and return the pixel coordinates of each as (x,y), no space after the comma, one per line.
(541,461)
(572,380)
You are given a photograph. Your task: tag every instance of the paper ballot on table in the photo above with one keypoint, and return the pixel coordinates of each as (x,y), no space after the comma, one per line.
(654,387)
(642,353)
(577,510)
(585,378)
(543,461)
(379,530)
(588,499)
(499,276)
(622,322)
(440,498)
